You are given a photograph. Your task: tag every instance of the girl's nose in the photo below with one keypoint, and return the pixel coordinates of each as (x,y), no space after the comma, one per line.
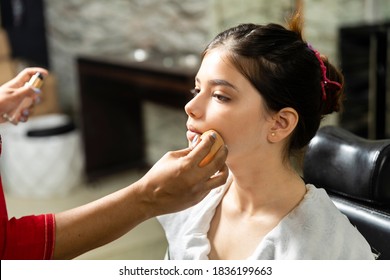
(194,107)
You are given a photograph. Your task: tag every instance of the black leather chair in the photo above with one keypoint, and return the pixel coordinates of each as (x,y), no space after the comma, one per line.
(356,174)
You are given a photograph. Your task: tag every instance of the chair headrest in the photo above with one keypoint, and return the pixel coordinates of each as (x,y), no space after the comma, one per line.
(344,163)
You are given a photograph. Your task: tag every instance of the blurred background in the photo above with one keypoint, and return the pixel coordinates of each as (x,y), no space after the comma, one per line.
(120,71)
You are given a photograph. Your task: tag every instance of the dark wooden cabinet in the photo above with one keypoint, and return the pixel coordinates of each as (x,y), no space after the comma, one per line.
(111,96)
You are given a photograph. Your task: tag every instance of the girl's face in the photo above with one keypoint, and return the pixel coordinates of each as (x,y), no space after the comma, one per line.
(224,100)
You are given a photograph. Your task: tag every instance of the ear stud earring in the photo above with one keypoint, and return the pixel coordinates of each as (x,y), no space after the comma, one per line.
(273,134)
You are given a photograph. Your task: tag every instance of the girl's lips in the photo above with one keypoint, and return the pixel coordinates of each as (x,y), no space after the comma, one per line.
(191,135)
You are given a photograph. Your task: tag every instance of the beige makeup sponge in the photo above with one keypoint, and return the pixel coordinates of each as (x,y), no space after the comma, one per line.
(214,149)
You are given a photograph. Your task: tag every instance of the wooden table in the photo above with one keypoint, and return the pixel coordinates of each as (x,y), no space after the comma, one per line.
(111,96)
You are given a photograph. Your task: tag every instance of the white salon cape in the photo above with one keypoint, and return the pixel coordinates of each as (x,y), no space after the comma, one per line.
(314,230)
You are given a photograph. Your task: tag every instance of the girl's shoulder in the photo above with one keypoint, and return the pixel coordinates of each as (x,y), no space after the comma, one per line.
(316,229)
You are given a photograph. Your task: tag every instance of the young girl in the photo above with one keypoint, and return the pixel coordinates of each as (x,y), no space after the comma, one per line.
(265,90)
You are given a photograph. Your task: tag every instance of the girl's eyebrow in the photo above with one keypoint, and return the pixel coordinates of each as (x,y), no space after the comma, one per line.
(219,82)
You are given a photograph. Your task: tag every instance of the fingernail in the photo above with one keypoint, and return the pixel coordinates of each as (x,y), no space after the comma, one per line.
(37,90)
(195,140)
(214,135)
(37,100)
(26,112)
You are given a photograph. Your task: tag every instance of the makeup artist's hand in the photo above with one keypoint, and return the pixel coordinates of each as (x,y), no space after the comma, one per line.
(13,92)
(176,181)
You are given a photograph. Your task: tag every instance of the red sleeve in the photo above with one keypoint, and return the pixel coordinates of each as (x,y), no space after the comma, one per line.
(28,238)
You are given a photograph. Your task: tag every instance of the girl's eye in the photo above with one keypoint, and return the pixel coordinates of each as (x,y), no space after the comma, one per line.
(195,91)
(220,97)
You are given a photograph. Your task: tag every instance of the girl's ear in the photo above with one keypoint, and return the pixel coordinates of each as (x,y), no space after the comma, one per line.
(283,124)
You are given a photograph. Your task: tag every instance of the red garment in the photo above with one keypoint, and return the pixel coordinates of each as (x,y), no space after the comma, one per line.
(26,238)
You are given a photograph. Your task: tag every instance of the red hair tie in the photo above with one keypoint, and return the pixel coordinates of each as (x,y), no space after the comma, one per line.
(325,82)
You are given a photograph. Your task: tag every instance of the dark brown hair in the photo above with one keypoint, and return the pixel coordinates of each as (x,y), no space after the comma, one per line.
(286,72)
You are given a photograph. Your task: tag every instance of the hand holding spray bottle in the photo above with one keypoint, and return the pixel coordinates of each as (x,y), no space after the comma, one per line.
(36,83)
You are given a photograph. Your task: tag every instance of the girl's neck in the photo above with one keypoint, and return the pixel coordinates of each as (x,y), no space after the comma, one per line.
(267,183)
